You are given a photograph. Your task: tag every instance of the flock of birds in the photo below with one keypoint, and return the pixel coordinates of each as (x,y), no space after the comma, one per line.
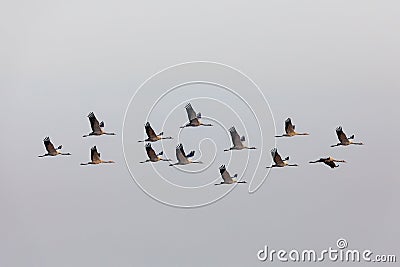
(97,129)
(184,159)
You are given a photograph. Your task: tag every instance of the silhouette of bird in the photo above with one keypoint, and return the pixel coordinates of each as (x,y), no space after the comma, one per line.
(227,178)
(328,161)
(51,151)
(194,119)
(237,141)
(95,157)
(278,160)
(153,157)
(183,158)
(96,126)
(152,136)
(289,129)
(343,139)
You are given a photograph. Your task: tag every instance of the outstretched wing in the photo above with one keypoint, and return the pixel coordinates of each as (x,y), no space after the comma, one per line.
(225,174)
(341,135)
(49,146)
(191,154)
(190,112)
(149,131)
(236,140)
(94,123)
(276,157)
(289,127)
(330,163)
(180,153)
(150,152)
(94,155)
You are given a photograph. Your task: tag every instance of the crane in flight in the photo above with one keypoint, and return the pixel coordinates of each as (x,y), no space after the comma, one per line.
(194,119)
(289,129)
(227,178)
(328,161)
(96,126)
(343,139)
(183,158)
(51,151)
(153,157)
(237,141)
(152,136)
(278,160)
(95,157)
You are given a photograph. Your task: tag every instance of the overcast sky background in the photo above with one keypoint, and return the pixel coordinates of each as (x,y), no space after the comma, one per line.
(322,63)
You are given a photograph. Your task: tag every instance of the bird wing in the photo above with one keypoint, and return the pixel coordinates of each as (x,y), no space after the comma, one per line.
(276,157)
(330,163)
(341,135)
(49,145)
(235,137)
(289,128)
(190,112)
(191,154)
(180,153)
(150,152)
(94,123)
(94,155)
(225,174)
(149,131)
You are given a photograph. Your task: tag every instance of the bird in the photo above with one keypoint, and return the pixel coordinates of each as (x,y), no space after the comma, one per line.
(289,129)
(278,160)
(343,139)
(182,157)
(96,126)
(237,141)
(95,157)
(51,151)
(153,157)
(152,136)
(227,178)
(194,119)
(328,161)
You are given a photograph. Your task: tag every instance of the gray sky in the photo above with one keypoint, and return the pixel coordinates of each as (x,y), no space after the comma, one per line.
(322,63)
